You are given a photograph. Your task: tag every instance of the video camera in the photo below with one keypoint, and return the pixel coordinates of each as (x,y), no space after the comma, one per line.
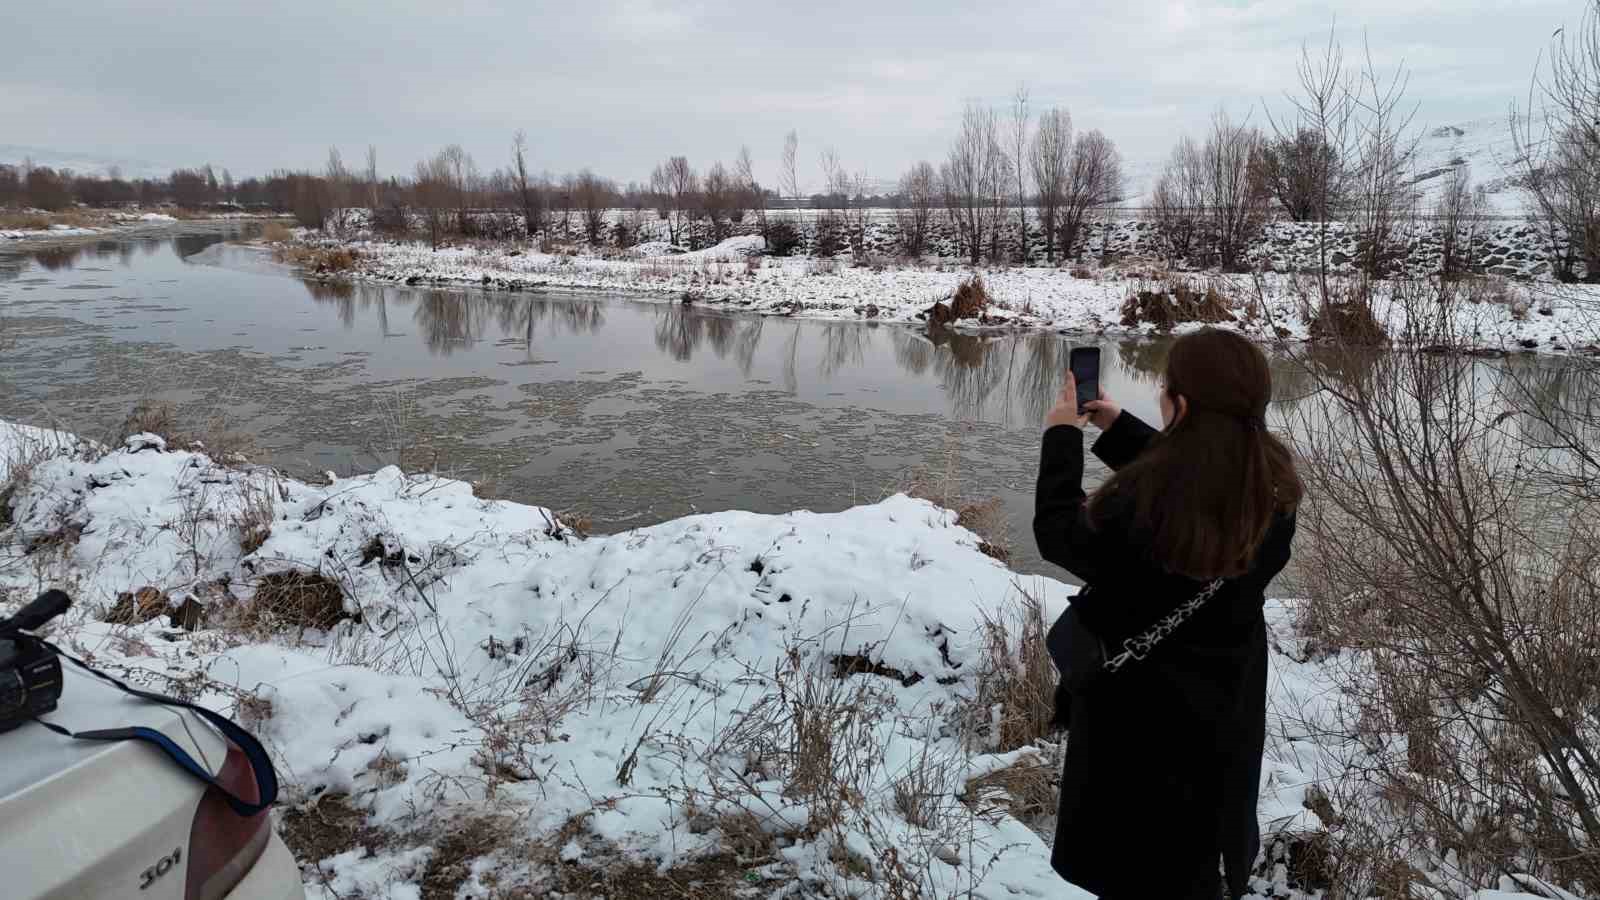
(30,669)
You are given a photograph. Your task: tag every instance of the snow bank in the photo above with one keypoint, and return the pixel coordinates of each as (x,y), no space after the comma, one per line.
(54,231)
(625,688)
(456,605)
(1545,319)
(157,217)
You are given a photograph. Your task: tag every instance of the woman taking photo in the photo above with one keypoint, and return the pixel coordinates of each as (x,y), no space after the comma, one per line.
(1166,708)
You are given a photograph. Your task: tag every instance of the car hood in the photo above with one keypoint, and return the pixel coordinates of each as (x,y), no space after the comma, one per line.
(31,753)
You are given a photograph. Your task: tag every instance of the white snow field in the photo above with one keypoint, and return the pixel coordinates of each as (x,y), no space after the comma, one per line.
(623,699)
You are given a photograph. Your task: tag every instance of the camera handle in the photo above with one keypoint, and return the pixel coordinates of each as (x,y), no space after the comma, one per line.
(260,764)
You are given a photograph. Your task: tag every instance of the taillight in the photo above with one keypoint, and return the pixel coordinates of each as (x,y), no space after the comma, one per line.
(223,845)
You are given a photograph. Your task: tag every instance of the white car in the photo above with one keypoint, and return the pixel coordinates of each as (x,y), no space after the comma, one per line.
(89,820)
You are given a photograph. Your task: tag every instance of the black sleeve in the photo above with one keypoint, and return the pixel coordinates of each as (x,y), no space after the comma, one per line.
(1123,441)
(1060,520)
(1274,553)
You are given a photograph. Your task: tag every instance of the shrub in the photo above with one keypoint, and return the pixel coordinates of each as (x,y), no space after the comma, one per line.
(782,236)
(1451,564)
(970,300)
(1176,303)
(830,236)
(1349,323)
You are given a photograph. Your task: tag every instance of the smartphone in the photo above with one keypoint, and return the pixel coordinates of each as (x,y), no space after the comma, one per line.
(1085,365)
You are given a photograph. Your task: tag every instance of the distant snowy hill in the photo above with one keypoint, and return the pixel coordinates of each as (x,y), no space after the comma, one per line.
(83,163)
(1486,146)
(1483,144)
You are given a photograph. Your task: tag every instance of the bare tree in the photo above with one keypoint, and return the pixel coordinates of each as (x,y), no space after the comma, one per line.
(1020,118)
(748,188)
(1381,199)
(1441,555)
(1298,168)
(1324,106)
(462,179)
(1456,214)
(717,198)
(1178,202)
(338,193)
(1051,154)
(972,177)
(835,195)
(527,191)
(593,196)
(859,213)
(1557,140)
(434,196)
(371,178)
(919,192)
(788,167)
(1094,180)
(1211,196)
(676,183)
(1236,198)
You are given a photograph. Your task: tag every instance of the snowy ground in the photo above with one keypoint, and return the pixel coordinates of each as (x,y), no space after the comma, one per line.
(658,697)
(1540,317)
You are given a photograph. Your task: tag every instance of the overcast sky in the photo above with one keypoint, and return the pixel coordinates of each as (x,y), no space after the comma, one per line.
(618,84)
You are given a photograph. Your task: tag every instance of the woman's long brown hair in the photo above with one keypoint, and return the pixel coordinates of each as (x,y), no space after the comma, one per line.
(1205,491)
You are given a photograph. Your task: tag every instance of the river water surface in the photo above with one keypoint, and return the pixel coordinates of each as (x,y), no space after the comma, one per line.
(626,412)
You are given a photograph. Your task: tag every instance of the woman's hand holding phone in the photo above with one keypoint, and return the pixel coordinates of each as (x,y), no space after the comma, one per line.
(1101,412)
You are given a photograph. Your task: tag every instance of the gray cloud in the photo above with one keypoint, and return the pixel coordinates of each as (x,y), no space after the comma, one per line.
(618,84)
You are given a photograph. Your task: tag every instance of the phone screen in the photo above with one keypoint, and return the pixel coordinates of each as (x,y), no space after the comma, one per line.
(1085,365)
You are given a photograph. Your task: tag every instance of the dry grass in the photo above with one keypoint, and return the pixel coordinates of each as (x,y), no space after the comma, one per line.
(1176,303)
(971,300)
(135,607)
(984,517)
(1016,675)
(253,519)
(276,232)
(293,599)
(214,436)
(1350,324)
(43,221)
(463,842)
(327,827)
(1027,790)
(317,260)
(26,221)
(987,519)
(151,417)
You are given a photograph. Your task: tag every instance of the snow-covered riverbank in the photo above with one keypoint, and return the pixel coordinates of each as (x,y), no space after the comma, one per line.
(801,704)
(105,223)
(1520,316)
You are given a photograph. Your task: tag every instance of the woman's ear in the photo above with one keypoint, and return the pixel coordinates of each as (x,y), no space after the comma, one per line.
(1180,406)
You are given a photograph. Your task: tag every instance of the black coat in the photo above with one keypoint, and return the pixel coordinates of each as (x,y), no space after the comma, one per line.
(1163,756)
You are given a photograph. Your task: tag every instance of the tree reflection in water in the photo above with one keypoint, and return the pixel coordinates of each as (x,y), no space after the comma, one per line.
(844,344)
(449,320)
(681,330)
(520,317)
(1007,378)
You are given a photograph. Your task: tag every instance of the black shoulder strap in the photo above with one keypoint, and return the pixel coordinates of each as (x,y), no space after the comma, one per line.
(1140,645)
(261,764)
